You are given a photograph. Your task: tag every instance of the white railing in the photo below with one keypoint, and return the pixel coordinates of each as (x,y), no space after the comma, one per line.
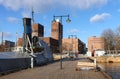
(113,52)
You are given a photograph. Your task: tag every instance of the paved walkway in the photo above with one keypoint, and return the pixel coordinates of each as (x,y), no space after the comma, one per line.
(52,71)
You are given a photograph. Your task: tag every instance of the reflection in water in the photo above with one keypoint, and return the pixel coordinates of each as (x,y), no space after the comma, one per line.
(113,69)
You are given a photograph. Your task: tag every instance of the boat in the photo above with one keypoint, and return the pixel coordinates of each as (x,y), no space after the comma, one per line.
(17,60)
(34,52)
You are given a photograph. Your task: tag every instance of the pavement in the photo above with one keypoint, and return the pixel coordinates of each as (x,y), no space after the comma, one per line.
(53,71)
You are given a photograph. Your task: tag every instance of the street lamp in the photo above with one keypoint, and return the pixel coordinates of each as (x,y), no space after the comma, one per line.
(68,19)
(60,40)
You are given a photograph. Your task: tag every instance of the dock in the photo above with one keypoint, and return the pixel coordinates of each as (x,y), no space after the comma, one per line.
(53,71)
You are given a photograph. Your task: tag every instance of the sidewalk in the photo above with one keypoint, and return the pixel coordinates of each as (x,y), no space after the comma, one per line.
(53,71)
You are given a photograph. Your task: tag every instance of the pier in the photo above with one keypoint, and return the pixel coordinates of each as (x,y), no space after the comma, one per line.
(53,71)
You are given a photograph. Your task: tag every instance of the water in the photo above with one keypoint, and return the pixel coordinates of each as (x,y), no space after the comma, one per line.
(113,69)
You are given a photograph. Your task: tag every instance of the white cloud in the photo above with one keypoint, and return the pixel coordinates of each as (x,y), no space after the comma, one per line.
(73,31)
(99,17)
(84,4)
(6,34)
(26,14)
(83,32)
(45,5)
(12,20)
(14,5)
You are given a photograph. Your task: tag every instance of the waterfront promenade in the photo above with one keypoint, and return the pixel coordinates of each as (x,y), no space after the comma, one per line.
(53,71)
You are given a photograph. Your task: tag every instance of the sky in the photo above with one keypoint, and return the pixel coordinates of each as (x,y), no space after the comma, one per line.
(88,17)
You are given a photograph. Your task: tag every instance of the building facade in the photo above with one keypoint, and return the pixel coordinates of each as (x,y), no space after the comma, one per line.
(37,30)
(8,45)
(53,43)
(74,45)
(57,30)
(20,42)
(95,43)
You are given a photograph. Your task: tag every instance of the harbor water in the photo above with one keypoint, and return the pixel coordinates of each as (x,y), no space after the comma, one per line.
(112,69)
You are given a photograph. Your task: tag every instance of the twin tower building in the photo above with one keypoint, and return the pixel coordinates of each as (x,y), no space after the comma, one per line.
(36,29)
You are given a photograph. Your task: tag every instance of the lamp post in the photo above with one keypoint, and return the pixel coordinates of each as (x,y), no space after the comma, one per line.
(16,40)
(76,45)
(60,38)
(2,38)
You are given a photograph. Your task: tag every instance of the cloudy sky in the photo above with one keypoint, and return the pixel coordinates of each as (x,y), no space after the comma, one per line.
(89,17)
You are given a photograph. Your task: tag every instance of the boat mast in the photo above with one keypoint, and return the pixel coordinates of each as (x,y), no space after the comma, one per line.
(2,38)
(32,15)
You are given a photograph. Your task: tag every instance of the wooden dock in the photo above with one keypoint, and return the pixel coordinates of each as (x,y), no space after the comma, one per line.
(53,71)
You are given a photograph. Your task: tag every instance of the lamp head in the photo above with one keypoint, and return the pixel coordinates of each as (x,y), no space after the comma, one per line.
(53,19)
(68,20)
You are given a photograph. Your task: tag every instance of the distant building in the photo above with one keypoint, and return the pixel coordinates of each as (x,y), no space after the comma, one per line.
(20,42)
(37,30)
(19,45)
(8,45)
(53,43)
(54,40)
(73,44)
(95,43)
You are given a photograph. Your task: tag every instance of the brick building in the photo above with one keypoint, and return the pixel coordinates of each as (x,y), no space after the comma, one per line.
(57,30)
(20,42)
(37,30)
(73,44)
(95,43)
(53,43)
(8,45)
(56,37)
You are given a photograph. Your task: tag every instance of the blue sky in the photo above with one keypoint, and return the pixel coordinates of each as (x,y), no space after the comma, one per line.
(88,17)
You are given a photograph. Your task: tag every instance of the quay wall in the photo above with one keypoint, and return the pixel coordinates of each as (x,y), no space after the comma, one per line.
(106,59)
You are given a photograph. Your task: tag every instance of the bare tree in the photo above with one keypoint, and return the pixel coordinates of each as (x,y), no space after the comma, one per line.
(112,39)
(66,47)
(109,36)
(118,31)
(118,38)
